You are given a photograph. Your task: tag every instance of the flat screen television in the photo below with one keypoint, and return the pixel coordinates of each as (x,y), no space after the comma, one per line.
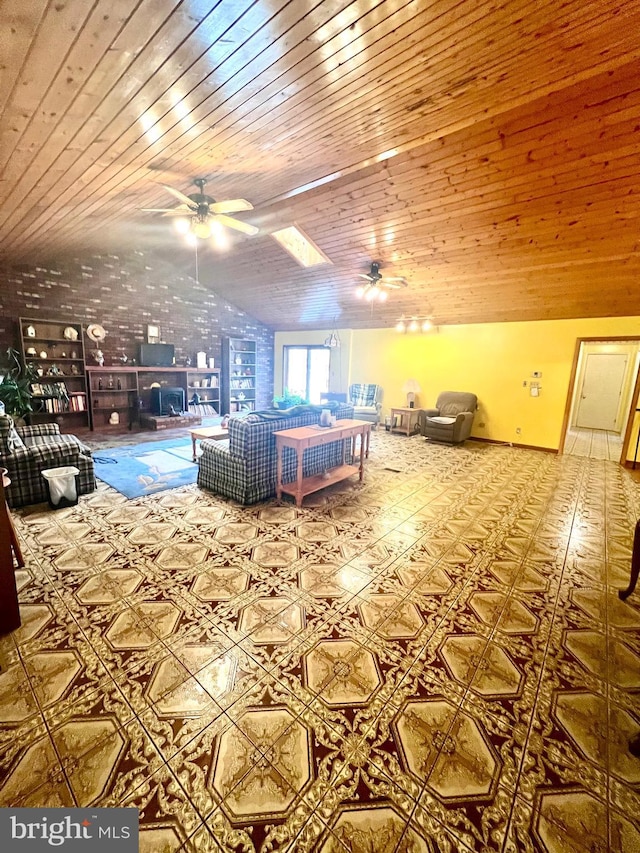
(156,355)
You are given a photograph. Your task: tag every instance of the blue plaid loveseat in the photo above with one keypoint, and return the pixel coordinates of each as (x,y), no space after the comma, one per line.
(26,451)
(244,469)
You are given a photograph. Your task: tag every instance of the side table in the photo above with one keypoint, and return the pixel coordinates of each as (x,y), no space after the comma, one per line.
(217,433)
(408,420)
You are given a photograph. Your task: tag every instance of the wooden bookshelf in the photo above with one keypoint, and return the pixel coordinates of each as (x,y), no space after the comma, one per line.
(239,375)
(55,349)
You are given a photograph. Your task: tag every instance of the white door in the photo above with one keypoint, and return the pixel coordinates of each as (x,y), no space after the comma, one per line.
(601,389)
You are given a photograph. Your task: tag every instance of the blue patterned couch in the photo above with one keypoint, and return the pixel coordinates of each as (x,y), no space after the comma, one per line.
(244,468)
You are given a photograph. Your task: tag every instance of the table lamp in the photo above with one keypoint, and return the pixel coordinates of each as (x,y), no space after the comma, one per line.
(411,387)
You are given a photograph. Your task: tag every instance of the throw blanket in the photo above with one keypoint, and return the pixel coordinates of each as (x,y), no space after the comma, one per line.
(275,414)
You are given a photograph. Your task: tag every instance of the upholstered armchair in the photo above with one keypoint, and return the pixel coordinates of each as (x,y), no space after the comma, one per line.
(451,420)
(366,400)
(26,451)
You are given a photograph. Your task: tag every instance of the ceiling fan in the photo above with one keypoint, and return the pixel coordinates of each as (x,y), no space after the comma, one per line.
(201,216)
(377,284)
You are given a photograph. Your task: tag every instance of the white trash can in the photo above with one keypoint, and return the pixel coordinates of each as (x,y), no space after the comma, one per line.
(62,487)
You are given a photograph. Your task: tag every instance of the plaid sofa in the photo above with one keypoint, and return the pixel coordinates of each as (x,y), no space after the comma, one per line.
(26,451)
(244,468)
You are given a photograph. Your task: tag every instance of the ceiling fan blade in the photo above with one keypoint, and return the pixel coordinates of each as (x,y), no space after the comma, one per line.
(182,209)
(230,222)
(232,206)
(179,211)
(394,284)
(366,276)
(180,196)
(389,278)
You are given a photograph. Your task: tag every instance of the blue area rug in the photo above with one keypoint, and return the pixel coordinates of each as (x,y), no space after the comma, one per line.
(144,469)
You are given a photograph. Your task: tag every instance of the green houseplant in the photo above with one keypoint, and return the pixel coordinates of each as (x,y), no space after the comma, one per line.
(288,400)
(15,384)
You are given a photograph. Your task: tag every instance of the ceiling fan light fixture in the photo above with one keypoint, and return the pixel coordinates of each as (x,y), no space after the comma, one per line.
(333,340)
(371,294)
(377,285)
(414,324)
(201,216)
(202,229)
(219,238)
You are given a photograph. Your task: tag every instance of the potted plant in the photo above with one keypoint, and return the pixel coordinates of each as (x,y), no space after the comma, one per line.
(288,400)
(16,379)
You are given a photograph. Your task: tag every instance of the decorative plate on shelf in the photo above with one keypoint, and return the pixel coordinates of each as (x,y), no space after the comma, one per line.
(70,334)
(96,333)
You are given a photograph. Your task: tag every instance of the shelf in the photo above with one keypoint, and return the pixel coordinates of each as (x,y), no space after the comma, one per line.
(235,378)
(110,408)
(136,385)
(315,482)
(51,339)
(61,351)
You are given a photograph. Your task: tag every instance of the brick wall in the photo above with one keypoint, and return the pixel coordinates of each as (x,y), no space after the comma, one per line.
(125,293)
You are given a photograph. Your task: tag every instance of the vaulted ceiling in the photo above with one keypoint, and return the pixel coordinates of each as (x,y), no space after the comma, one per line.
(486,151)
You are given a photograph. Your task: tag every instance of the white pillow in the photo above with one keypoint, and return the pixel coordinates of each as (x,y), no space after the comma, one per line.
(441,420)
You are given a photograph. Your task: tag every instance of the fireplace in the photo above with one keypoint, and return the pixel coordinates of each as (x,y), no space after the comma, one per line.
(164,400)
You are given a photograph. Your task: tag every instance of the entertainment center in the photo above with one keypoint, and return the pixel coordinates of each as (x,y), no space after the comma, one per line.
(136,394)
(150,393)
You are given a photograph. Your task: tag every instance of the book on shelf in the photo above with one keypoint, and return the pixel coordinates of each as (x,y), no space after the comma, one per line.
(49,389)
(78,402)
(55,398)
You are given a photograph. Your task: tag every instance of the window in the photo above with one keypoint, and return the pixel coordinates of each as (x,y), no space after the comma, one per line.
(306,371)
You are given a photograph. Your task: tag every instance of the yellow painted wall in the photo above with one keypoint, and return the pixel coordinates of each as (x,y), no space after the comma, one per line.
(492,360)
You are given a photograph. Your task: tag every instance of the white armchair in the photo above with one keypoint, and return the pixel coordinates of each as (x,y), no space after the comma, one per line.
(366,400)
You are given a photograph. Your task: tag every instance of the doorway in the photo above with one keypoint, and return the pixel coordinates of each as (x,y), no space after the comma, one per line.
(599,418)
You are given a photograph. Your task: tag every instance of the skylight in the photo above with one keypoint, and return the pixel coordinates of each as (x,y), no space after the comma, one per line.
(300,247)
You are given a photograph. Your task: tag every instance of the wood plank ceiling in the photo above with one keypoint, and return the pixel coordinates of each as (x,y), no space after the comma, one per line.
(487,151)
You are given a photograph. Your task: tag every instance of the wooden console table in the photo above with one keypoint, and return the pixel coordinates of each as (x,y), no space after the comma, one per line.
(300,438)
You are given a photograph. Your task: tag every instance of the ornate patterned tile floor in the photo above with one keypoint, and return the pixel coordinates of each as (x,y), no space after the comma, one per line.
(436,660)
